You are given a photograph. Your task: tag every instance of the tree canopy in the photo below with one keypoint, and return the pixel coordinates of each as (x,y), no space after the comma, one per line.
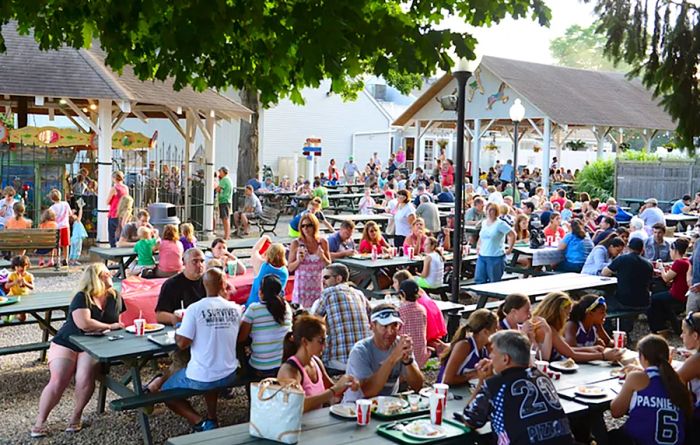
(584,48)
(661,40)
(275,47)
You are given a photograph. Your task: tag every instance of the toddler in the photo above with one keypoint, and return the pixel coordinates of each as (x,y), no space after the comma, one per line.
(78,234)
(48,221)
(6,211)
(63,212)
(187,239)
(144,248)
(20,282)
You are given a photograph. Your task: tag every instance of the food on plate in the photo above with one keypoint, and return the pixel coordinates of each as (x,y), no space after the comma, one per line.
(344,409)
(423,427)
(150,327)
(590,390)
(568,363)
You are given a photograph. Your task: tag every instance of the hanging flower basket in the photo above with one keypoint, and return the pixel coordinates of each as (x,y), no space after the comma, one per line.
(491,147)
(537,149)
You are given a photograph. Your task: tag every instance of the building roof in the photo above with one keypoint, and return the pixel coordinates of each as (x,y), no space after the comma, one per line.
(571,96)
(26,70)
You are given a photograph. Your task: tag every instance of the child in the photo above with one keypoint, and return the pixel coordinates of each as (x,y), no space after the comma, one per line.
(415,320)
(63,212)
(433,266)
(515,313)
(367,203)
(18,221)
(220,252)
(48,221)
(469,346)
(6,211)
(78,234)
(144,248)
(187,239)
(20,282)
(171,251)
(657,401)
(585,325)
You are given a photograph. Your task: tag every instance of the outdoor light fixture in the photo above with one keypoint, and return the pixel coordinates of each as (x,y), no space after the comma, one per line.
(125,106)
(212,113)
(178,110)
(517,113)
(93,107)
(39,101)
(461,73)
(85,110)
(62,101)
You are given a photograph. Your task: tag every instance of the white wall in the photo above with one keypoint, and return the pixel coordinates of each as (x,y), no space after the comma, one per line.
(286,126)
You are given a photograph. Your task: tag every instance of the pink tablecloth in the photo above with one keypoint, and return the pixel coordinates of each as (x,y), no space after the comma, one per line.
(141,296)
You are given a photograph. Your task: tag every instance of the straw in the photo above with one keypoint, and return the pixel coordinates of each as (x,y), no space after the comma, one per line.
(140,314)
(182,305)
(539,353)
(618,325)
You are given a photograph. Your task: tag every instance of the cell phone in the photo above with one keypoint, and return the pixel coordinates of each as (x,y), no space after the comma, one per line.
(115,337)
(265,246)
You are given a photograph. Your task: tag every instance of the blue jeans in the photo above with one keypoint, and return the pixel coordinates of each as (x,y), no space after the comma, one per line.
(112,224)
(662,310)
(566,266)
(180,380)
(626,323)
(489,269)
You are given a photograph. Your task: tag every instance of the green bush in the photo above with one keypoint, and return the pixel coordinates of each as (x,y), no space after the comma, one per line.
(597,179)
(640,156)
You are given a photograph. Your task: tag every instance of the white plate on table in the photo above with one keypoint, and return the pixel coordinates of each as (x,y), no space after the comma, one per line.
(395,404)
(560,366)
(150,327)
(592,392)
(344,410)
(3,299)
(423,429)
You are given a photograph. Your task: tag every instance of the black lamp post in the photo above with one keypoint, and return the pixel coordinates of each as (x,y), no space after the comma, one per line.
(460,73)
(517,113)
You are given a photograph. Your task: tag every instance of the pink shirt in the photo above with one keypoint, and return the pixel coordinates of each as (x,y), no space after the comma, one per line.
(310,388)
(121,190)
(436,327)
(170,256)
(62,211)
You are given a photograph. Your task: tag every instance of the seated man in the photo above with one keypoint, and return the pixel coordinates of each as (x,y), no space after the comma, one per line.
(682,205)
(656,247)
(130,232)
(500,398)
(252,208)
(385,360)
(340,243)
(210,331)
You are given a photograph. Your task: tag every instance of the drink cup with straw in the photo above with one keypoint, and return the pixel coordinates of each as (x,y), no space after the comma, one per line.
(619,336)
(140,325)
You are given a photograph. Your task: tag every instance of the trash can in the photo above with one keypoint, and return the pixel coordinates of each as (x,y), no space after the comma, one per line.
(163,213)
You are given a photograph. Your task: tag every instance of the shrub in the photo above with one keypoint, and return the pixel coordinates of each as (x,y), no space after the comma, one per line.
(597,179)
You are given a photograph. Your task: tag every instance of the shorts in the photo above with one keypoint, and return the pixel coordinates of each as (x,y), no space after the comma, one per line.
(180,380)
(58,351)
(64,237)
(224,210)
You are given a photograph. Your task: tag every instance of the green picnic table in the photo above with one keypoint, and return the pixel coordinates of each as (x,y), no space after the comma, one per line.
(123,256)
(134,352)
(41,306)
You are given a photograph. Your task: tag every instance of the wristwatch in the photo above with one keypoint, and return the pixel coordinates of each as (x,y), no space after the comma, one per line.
(408,363)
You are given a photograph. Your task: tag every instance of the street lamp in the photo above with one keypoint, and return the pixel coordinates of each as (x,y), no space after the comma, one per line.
(461,73)
(517,113)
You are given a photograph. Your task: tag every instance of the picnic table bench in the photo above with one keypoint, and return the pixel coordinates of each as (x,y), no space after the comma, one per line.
(123,256)
(29,239)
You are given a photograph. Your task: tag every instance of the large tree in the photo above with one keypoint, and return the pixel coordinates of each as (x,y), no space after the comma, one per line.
(581,47)
(268,49)
(661,40)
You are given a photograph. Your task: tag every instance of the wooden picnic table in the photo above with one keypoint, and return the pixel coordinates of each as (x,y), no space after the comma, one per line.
(123,256)
(541,285)
(135,352)
(683,219)
(382,219)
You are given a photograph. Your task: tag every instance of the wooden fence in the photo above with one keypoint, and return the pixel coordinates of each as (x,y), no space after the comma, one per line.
(663,180)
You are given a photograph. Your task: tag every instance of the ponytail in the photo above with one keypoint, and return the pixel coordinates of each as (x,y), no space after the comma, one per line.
(512,301)
(479,320)
(305,327)
(580,308)
(271,289)
(655,350)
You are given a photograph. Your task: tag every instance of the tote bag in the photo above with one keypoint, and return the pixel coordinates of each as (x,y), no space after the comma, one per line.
(281,400)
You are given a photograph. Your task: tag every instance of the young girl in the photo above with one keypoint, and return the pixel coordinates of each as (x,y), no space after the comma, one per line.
(367,203)
(372,236)
(468,347)
(171,251)
(555,309)
(125,214)
(48,221)
(220,252)
(657,401)
(63,212)
(19,282)
(585,325)
(689,372)
(415,320)
(77,235)
(187,239)
(6,205)
(433,271)
(515,313)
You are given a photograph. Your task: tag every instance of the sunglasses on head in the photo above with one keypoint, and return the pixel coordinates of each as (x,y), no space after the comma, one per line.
(600,301)
(692,322)
(386,314)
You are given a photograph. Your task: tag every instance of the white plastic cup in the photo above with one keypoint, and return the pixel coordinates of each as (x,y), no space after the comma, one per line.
(231,267)
(619,338)
(381,404)
(437,404)
(180,314)
(410,253)
(533,357)
(363,408)
(441,388)
(413,401)
(140,326)
(542,365)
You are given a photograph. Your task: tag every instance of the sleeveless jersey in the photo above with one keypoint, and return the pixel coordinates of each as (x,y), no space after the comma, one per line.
(470,362)
(503,325)
(586,338)
(653,418)
(694,386)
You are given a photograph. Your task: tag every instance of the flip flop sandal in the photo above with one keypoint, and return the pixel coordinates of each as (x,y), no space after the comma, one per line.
(144,388)
(74,427)
(39,432)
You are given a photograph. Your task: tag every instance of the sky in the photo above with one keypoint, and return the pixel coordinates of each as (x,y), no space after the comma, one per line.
(525,39)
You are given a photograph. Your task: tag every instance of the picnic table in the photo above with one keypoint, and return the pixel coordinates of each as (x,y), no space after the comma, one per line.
(541,285)
(134,352)
(382,219)
(123,256)
(683,219)
(349,201)
(541,257)
(445,205)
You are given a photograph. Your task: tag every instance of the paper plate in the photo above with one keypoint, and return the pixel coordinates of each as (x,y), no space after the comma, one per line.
(423,429)
(593,392)
(150,327)
(559,366)
(344,410)
(396,402)
(8,300)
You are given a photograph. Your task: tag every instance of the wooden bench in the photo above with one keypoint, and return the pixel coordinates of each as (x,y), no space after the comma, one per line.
(267,221)
(30,239)
(27,347)
(441,291)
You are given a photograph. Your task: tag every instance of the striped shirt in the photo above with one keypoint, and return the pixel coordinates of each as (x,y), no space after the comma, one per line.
(267,336)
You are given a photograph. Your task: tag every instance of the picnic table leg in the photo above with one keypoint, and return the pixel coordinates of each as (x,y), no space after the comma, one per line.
(102,393)
(482,301)
(143,418)
(45,334)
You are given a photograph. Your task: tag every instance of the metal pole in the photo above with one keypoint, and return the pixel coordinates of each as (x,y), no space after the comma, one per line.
(515,157)
(461,77)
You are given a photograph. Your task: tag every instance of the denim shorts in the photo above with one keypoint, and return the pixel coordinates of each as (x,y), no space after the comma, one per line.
(180,380)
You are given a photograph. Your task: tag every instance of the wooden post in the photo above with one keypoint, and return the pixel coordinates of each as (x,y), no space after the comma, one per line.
(104,169)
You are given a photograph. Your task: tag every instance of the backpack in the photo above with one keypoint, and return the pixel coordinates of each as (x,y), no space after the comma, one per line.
(536,238)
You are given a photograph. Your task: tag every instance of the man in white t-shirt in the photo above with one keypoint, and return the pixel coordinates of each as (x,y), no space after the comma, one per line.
(210,330)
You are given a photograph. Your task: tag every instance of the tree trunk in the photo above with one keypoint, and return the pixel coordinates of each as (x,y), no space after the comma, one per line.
(248,143)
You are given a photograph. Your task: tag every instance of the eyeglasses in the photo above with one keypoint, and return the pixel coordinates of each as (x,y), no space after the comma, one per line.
(600,301)
(304,226)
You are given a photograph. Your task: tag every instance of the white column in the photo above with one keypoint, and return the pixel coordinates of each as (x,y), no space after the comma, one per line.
(209,153)
(476,152)
(187,174)
(104,169)
(547,159)
(600,141)
(417,150)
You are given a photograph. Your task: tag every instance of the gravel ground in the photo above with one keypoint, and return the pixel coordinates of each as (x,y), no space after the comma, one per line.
(22,379)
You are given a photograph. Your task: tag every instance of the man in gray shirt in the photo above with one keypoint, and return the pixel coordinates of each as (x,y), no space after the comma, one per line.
(430,213)
(656,247)
(476,212)
(252,208)
(384,360)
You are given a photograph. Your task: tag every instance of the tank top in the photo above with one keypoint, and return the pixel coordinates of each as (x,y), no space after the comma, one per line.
(586,338)
(504,326)
(694,386)
(437,270)
(121,191)
(470,362)
(310,388)
(653,418)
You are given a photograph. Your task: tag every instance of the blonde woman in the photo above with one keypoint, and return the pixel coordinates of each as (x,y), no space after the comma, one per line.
(95,308)
(275,263)
(125,213)
(555,309)
(308,256)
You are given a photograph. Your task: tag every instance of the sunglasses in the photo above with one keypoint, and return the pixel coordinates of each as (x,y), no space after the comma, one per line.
(328,277)
(386,314)
(304,226)
(692,322)
(600,301)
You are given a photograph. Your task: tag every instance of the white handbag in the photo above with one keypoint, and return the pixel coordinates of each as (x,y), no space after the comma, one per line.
(282,401)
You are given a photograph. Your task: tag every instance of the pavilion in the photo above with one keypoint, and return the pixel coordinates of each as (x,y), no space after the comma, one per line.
(557,102)
(77,83)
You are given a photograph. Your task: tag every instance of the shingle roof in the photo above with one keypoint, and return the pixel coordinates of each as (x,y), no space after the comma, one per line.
(26,70)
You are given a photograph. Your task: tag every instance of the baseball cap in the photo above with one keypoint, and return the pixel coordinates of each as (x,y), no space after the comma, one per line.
(223,168)
(409,288)
(386,317)
(651,201)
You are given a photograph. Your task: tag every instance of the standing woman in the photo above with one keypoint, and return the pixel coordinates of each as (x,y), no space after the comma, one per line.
(657,401)
(116,193)
(95,308)
(491,260)
(333,171)
(448,173)
(308,255)
(404,215)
